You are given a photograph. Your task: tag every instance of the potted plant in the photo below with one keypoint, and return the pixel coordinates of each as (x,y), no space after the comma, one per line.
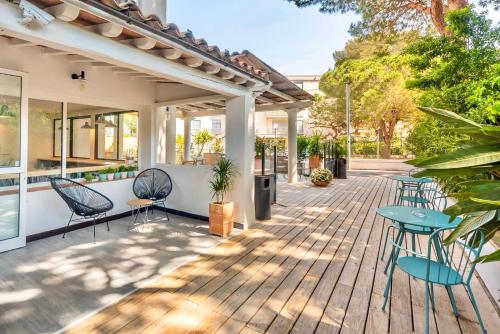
(89,177)
(314,149)
(220,211)
(117,173)
(302,145)
(103,174)
(216,151)
(130,171)
(321,177)
(110,174)
(201,139)
(129,158)
(123,171)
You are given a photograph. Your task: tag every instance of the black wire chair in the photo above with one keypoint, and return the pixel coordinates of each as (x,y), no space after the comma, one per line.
(153,184)
(82,201)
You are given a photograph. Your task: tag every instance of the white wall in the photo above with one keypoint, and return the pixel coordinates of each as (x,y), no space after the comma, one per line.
(47,211)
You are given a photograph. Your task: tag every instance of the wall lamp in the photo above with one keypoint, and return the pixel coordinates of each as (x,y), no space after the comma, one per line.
(81,78)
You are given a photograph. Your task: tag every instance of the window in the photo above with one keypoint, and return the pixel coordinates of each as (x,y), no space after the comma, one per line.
(44,140)
(195,125)
(117,136)
(216,126)
(280,127)
(10,120)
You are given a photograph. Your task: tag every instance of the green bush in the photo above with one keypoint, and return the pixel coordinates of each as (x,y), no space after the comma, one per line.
(321,175)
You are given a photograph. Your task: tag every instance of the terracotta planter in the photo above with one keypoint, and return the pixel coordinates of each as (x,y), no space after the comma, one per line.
(220,218)
(211,158)
(321,183)
(314,162)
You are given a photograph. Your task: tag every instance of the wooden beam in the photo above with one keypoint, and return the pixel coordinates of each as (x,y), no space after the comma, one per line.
(193,62)
(192,100)
(211,69)
(284,106)
(18,43)
(79,59)
(171,54)
(265,99)
(121,70)
(108,29)
(53,52)
(64,12)
(102,65)
(282,95)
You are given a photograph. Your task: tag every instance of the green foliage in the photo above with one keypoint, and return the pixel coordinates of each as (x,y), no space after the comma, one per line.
(269,143)
(89,177)
(222,181)
(326,113)
(314,147)
(201,139)
(302,145)
(460,71)
(321,175)
(122,168)
(478,200)
(217,145)
(428,138)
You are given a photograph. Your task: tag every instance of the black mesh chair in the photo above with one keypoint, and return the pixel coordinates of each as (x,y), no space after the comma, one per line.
(153,184)
(82,201)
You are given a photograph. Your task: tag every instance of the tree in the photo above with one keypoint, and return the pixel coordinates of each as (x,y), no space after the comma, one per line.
(460,72)
(388,16)
(379,99)
(326,114)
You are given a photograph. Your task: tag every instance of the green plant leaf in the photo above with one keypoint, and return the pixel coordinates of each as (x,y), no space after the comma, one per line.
(467,206)
(470,223)
(493,257)
(467,171)
(467,157)
(449,117)
(485,201)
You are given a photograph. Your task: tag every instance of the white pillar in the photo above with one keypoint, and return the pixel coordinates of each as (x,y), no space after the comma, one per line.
(160,136)
(170,117)
(187,139)
(146,139)
(292,145)
(240,141)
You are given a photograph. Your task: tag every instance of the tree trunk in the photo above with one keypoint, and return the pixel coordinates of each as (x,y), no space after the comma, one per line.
(388,133)
(437,16)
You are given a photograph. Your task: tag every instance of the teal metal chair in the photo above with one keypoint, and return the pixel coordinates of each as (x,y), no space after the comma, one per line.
(434,200)
(446,265)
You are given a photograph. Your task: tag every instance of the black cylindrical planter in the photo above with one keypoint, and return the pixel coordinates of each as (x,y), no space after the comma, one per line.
(263,196)
(341,168)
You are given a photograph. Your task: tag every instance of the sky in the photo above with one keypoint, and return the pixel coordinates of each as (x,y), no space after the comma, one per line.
(290,39)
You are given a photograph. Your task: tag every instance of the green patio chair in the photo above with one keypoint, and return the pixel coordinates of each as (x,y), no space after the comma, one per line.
(446,265)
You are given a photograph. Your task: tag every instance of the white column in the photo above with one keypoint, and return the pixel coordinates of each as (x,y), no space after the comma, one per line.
(187,139)
(146,139)
(160,135)
(170,134)
(240,141)
(292,145)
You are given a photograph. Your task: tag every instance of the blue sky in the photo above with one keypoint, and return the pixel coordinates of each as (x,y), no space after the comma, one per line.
(292,40)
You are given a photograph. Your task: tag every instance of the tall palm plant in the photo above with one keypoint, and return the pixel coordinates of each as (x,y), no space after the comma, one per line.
(222,181)
(478,200)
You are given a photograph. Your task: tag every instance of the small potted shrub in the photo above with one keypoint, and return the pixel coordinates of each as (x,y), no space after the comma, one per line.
(117,173)
(321,177)
(130,171)
(314,149)
(123,171)
(220,211)
(110,174)
(89,177)
(103,174)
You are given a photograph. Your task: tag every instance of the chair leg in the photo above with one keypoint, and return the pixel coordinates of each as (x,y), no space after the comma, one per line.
(67,226)
(93,223)
(413,244)
(427,307)
(166,213)
(452,300)
(432,297)
(385,244)
(395,254)
(107,222)
(399,236)
(473,300)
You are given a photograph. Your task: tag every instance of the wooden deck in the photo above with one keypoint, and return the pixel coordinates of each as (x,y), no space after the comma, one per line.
(314,267)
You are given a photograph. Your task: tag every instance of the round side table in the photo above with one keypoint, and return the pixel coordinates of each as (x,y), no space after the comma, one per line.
(136,205)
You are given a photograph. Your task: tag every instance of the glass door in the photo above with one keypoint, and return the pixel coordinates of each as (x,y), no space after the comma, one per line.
(13,149)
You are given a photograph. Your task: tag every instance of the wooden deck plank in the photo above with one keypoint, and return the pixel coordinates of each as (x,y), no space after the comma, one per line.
(315,267)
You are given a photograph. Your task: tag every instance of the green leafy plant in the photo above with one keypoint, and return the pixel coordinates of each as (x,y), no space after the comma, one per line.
(478,200)
(321,175)
(217,145)
(89,177)
(201,139)
(103,171)
(122,168)
(314,147)
(223,174)
(302,145)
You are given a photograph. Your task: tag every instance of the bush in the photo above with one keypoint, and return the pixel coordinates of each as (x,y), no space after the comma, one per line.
(321,175)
